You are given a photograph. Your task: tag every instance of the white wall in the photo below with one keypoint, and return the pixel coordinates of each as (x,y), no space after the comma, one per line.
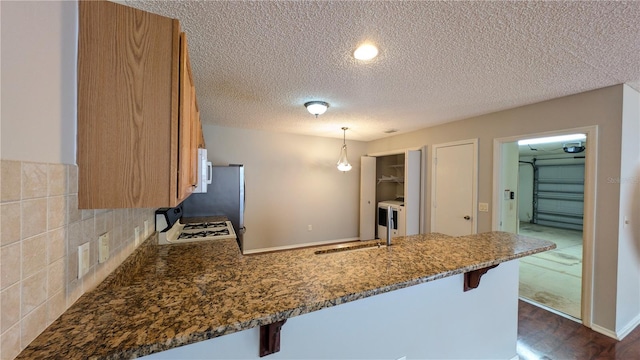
(291,183)
(509,207)
(628,286)
(602,107)
(525,192)
(434,320)
(39,43)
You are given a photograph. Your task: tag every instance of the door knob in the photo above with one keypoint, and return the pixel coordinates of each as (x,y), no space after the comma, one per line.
(467,217)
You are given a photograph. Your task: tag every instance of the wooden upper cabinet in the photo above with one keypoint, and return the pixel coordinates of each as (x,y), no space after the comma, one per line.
(201,143)
(186,179)
(199,136)
(194,134)
(131,118)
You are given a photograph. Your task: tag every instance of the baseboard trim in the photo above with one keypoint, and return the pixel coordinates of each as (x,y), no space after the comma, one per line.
(604,331)
(628,328)
(297,246)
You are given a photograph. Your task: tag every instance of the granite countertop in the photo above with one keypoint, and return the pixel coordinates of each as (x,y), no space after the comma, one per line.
(172,295)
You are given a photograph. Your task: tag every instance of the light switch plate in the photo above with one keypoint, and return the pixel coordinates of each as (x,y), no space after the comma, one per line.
(483,207)
(103,247)
(136,234)
(146,228)
(83,259)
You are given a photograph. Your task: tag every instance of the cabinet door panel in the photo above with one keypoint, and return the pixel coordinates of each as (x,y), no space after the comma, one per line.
(125,77)
(185,157)
(194,137)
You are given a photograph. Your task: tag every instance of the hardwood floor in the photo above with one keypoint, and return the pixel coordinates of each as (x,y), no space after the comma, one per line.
(543,335)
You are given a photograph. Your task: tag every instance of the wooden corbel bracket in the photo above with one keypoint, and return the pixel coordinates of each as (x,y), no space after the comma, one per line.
(472,278)
(270,338)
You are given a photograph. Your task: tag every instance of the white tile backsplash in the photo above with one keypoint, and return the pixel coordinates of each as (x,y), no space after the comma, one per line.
(40,230)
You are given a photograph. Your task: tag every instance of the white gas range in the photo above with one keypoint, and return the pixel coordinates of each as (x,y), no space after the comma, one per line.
(173,231)
(191,232)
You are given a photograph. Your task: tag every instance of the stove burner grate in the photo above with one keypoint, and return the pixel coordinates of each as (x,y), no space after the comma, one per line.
(204,234)
(204,225)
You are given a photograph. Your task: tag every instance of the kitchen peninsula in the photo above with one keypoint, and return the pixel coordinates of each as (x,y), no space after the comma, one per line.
(164,297)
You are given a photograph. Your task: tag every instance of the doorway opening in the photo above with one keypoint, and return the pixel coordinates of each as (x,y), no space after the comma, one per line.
(390,181)
(551,207)
(546,191)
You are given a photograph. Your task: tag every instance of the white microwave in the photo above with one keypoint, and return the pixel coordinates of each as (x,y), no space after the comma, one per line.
(204,172)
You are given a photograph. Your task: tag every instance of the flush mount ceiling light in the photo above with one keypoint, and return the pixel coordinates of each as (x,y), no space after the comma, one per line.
(551,139)
(343,163)
(316,107)
(365,52)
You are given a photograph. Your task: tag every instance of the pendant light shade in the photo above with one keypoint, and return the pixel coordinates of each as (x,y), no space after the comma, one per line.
(343,163)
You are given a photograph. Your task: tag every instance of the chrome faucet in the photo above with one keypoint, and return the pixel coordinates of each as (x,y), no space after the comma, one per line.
(389,224)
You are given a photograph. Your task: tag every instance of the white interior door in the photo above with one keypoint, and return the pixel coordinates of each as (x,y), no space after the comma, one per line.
(454,186)
(412,195)
(367,198)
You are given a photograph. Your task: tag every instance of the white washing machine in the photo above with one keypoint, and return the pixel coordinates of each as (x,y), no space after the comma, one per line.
(398,223)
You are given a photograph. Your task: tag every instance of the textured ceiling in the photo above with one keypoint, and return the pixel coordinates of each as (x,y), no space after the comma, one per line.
(256,63)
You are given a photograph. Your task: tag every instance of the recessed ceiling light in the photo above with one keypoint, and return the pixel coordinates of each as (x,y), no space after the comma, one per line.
(365,52)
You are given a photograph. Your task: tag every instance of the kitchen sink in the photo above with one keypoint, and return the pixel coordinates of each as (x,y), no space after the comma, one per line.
(376,245)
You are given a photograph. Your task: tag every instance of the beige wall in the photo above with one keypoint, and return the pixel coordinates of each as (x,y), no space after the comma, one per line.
(601,107)
(291,183)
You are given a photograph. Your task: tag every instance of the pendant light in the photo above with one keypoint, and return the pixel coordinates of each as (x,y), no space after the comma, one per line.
(343,163)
